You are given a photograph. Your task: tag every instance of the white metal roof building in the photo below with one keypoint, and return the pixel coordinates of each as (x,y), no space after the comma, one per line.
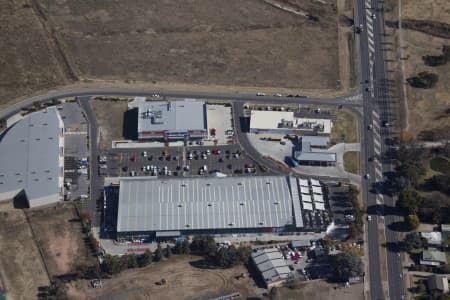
(210,205)
(172,119)
(272,266)
(32,158)
(273,121)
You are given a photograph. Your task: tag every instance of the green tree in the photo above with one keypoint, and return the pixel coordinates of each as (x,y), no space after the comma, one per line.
(410,201)
(145,258)
(423,80)
(346,265)
(412,222)
(168,251)
(112,264)
(205,245)
(57,290)
(158,253)
(185,249)
(413,240)
(130,260)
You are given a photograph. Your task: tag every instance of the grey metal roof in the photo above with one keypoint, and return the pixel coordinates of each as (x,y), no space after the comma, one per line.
(301,243)
(296,202)
(316,141)
(203,203)
(171,115)
(271,264)
(315,156)
(30,153)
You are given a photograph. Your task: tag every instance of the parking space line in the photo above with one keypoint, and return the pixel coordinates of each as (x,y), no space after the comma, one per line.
(378,171)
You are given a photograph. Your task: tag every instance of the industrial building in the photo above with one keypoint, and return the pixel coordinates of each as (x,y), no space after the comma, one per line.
(271,266)
(171,120)
(285,122)
(32,159)
(306,155)
(155,208)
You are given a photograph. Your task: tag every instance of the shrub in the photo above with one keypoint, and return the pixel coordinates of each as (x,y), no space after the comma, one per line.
(423,80)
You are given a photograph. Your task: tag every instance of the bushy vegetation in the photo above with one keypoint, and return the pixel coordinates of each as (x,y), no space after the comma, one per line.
(423,80)
(346,265)
(437,60)
(356,227)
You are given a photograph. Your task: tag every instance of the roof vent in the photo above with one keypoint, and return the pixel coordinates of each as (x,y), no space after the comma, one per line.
(209,204)
(180,205)
(45,124)
(20,181)
(231,224)
(22,141)
(239,183)
(17,174)
(268,182)
(36,179)
(188,225)
(183,184)
(242,203)
(50,178)
(208,184)
(276,203)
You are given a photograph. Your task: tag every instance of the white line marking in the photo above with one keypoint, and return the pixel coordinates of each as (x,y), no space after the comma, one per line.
(375,114)
(378,171)
(377,142)
(372,50)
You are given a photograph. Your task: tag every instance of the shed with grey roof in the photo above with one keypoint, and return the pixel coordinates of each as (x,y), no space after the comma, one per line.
(305,155)
(32,158)
(271,265)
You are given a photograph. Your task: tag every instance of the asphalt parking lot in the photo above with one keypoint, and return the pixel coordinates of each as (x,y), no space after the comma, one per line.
(178,161)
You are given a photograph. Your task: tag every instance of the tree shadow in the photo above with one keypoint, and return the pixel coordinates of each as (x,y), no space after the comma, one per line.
(399,227)
(204,264)
(245,124)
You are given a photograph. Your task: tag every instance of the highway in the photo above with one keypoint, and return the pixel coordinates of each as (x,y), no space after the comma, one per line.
(374,85)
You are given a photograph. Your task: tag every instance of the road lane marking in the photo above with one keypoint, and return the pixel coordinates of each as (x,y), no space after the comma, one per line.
(375,114)
(377,142)
(372,50)
(378,171)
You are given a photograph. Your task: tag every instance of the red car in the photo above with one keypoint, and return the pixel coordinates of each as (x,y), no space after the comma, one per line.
(133,157)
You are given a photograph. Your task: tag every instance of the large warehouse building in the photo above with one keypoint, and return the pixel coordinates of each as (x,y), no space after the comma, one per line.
(158,208)
(172,120)
(32,159)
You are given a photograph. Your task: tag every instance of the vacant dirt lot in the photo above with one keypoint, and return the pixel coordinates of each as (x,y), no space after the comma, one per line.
(59,234)
(22,271)
(345,127)
(319,290)
(110,120)
(183,282)
(428,108)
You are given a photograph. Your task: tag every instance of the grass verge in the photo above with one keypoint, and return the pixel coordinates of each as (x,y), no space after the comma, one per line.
(351,162)
(344,128)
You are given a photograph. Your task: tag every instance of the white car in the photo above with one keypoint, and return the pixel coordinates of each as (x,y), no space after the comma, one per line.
(369,218)
(278,95)
(367,176)
(260,94)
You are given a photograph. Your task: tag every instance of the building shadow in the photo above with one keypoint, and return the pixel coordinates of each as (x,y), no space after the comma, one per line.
(20,201)
(130,124)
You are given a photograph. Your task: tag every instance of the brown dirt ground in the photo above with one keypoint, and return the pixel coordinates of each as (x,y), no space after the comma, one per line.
(59,234)
(109,116)
(426,107)
(183,282)
(21,268)
(319,290)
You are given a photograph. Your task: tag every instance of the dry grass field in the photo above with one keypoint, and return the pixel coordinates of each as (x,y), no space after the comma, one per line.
(318,290)
(208,44)
(428,109)
(28,61)
(59,234)
(184,281)
(22,270)
(233,43)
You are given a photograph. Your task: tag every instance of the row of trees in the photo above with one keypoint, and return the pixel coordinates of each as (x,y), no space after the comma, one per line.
(356,227)
(200,245)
